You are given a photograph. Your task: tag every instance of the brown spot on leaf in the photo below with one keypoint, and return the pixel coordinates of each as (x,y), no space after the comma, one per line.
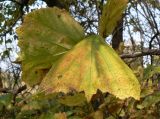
(59,76)
(58,15)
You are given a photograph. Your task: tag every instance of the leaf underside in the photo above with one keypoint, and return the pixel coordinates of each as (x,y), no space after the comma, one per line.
(44,37)
(89,66)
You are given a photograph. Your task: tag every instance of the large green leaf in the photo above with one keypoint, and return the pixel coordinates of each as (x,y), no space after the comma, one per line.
(44,36)
(112,13)
(89,66)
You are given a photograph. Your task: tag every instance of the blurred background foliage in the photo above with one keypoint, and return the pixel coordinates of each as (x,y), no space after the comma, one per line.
(136,38)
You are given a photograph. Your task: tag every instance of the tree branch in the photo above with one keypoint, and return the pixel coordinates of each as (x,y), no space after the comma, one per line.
(140,54)
(15,92)
(150,42)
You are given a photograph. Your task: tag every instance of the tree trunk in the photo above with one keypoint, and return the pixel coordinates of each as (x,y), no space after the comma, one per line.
(117,35)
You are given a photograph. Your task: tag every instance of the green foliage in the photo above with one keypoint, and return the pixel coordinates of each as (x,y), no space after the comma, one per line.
(48,106)
(75,100)
(5,99)
(150,100)
(150,71)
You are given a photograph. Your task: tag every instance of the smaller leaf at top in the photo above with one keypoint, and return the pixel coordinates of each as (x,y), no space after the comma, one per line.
(111,14)
(44,37)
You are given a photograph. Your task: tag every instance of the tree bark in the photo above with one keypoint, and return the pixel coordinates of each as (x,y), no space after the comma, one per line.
(117,35)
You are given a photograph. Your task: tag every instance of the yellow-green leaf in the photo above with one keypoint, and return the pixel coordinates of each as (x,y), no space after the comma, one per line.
(111,14)
(44,37)
(89,66)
